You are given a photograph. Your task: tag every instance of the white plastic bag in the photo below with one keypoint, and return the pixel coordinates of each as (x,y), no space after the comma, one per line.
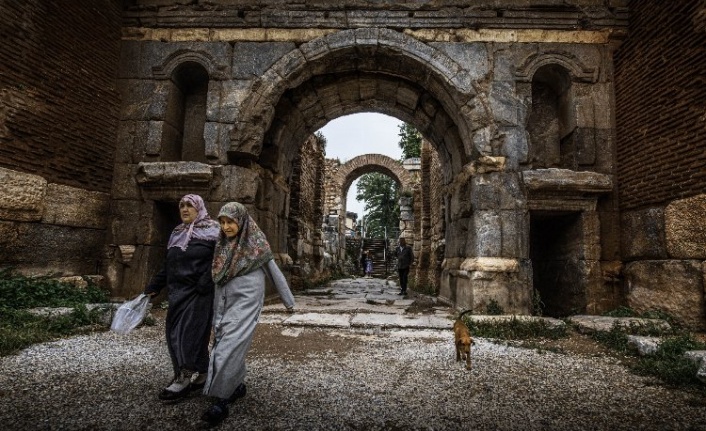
(130,314)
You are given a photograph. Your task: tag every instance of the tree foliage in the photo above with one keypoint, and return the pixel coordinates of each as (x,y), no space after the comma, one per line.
(410,141)
(380,194)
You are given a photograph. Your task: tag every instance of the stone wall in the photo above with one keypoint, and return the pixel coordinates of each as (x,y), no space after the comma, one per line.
(465,76)
(305,243)
(661,159)
(219,98)
(429,228)
(58,122)
(49,228)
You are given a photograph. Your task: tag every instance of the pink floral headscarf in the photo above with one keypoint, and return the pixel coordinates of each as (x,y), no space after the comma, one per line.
(246,252)
(203,228)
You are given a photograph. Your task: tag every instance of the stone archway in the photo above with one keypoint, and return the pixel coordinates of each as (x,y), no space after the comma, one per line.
(352,71)
(355,168)
(388,72)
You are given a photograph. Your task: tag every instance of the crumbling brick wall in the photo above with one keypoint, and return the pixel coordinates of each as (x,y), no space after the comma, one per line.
(58,103)
(660,103)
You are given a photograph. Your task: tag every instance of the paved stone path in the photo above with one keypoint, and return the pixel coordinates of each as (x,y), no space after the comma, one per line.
(358,303)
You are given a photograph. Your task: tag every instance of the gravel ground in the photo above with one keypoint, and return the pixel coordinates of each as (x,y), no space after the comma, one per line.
(328,379)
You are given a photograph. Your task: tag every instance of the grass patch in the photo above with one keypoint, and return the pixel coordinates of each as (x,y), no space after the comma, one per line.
(516,329)
(20,329)
(615,339)
(669,364)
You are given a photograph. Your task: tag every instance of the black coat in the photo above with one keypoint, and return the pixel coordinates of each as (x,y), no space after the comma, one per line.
(405,257)
(187,276)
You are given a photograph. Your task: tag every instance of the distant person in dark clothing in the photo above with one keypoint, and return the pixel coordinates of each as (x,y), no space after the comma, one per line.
(187,276)
(405,257)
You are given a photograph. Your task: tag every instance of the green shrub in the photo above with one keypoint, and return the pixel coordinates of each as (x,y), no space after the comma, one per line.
(18,291)
(20,329)
(621,311)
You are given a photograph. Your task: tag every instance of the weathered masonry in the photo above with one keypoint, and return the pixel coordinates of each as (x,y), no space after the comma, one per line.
(218,98)
(526,186)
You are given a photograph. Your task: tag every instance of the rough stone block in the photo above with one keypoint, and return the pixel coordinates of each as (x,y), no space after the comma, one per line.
(64,250)
(645,346)
(673,286)
(138,140)
(490,264)
(21,196)
(467,54)
(512,196)
(565,180)
(124,182)
(642,234)
(487,240)
(515,146)
(143,100)
(129,59)
(252,59)
(217,141)
(485,191)
(131,223)
(514,225)
(71,206)
(504,103)
(233,93)
(235,183)
(685,228)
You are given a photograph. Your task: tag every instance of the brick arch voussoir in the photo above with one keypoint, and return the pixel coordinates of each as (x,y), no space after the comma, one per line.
(350,170)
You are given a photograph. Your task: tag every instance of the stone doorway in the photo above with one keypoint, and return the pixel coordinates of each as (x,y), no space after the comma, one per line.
(556,242)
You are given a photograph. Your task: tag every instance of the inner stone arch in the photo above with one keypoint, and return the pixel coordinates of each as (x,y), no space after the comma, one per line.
(365,164)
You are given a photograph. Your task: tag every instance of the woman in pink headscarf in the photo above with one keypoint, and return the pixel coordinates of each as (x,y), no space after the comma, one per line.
(187,276)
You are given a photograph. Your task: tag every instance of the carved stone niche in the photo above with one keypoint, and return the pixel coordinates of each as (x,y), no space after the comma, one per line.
(172,180)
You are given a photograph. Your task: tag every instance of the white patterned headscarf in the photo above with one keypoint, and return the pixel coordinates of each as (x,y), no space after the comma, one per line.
(203,227)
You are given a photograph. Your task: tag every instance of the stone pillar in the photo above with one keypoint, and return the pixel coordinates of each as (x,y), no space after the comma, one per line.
(486,249)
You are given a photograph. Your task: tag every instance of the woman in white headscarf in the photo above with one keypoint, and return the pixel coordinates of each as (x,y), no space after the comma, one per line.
(187,276)
(241,260)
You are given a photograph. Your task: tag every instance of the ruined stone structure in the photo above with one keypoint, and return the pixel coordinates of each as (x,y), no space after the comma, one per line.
(341,176)
(517,101)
